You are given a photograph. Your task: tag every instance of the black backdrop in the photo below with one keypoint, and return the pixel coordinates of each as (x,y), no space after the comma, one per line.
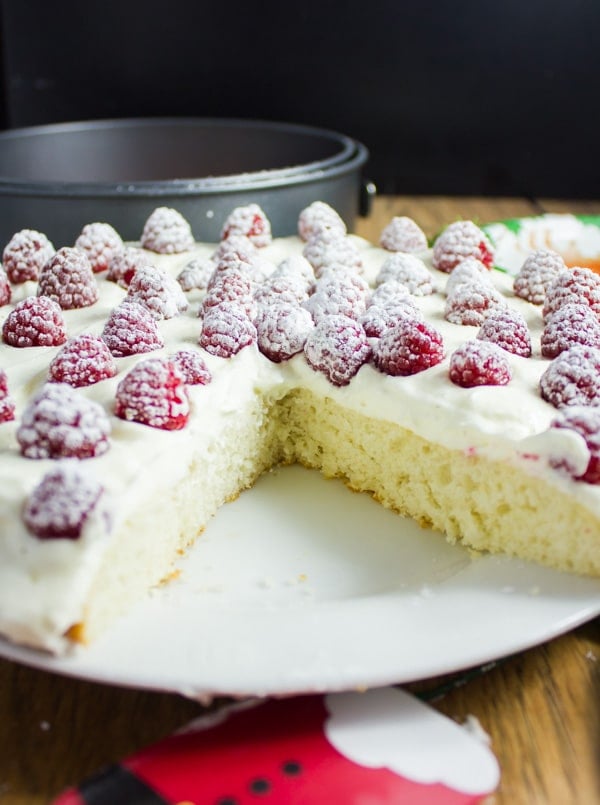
(450,97)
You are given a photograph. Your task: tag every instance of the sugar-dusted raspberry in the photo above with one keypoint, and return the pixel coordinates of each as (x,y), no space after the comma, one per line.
(232,285)
(507,329)
(573,323)
(7,406)
(408,269)
(388,292)
(167,232)
(279,289)
(250,221)
(409,346)
(344,295)
(125,263)
(191,367)
(458,241)
(196,274)
(479,363)
(68,279)
(226,329)
(329,248)
(579,285)
(584,420)
(5,290)
(83,361)
(573,378)
(317,217)
(235,249)
(296,267)
(36,321)
(402,234)
(101,242)
(131,330)
(338,346)
(377,318)
(470,271)
(25,254)
(472,304)
(153,393)
(282,330)
(62,503)
(261,269)
(158,291)
(60,422)
(537,274)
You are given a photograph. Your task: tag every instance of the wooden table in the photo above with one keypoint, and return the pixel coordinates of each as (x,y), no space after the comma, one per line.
(540,708)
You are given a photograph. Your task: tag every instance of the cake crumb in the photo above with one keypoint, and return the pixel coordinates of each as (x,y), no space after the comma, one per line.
(589,655)
(44,726)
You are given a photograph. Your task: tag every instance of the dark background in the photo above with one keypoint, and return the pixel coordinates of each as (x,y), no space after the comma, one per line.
(450,97)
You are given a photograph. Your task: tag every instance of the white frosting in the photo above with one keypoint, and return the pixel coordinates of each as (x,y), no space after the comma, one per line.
(43,584)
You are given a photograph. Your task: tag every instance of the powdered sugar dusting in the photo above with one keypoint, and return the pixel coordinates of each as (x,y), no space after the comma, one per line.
(62,502)
(60,422)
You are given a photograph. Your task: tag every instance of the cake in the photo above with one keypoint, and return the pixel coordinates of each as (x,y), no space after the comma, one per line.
(142,386)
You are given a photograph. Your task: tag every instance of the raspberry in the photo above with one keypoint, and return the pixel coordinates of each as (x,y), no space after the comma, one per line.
(232,285)
(282,330)
(281,290)
(376,319)
(196,274)
(402,234)
(317,217)
(131,330)
(472,304)
(250,221)
(125,263)
(469,272)
(158,291)
(83,361)
(191,367)
(584,420)
(235,249)
(167,232)
(338,298)
(7,406)
(479,363)
(387,293)
(5,290)
(226,330)
(260,269)
(571,324)
(507,329)
(61,422)
(458,241)
(407,347)
(329,248)
(62,503)
(100,242)
(153,393)
(409,270)
(25,254)
(296,267)
(573,378)
(575,285)
(68,279)
(36,321)
(537,274)
(337,347)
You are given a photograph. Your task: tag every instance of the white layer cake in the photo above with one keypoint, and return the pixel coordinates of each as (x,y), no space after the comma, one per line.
(471,462)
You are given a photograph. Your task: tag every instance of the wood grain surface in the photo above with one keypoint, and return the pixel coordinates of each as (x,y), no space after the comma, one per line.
(540,708)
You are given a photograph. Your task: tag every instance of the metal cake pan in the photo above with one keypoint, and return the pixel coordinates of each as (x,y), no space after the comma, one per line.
(57,178)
